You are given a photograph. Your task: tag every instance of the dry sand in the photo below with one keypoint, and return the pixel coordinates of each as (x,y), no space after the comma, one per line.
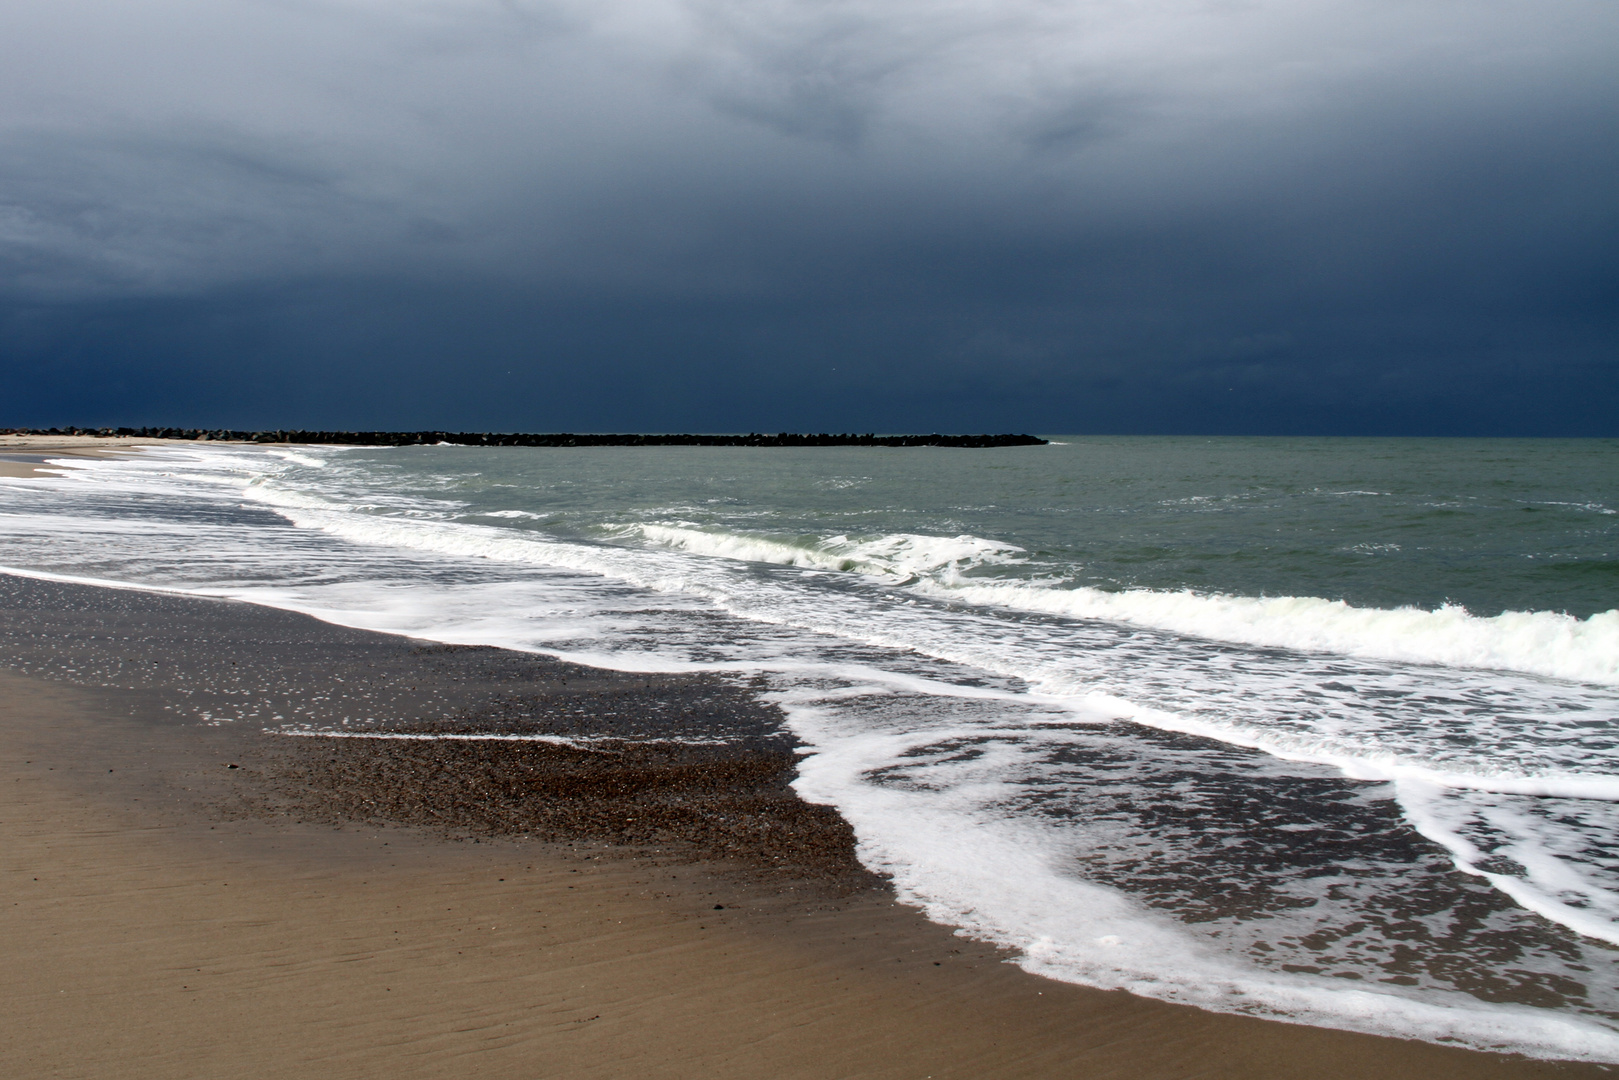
(20,455)
(71,444)
(145,937)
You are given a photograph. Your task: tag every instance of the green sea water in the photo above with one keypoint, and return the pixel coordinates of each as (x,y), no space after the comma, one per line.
(1490,524)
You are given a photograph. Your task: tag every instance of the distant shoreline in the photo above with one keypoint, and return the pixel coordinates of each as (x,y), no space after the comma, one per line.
(554,439)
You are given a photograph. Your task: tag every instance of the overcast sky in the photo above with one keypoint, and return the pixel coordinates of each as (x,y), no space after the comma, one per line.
(1334,216)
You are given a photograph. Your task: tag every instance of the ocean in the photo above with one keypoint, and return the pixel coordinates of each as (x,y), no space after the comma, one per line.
(1321,730)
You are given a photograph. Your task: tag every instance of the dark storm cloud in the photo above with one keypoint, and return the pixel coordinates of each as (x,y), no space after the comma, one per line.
(1172,216)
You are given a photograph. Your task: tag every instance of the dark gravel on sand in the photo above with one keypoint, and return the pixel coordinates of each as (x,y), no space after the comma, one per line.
(667,796)
(679,764)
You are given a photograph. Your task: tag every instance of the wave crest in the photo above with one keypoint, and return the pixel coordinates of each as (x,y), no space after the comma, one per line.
(1546,643)
(896,557)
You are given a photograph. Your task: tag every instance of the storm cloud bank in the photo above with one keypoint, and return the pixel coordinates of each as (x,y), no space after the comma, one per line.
(711,214)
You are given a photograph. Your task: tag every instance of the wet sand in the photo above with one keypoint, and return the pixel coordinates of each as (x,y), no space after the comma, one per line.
(362,907)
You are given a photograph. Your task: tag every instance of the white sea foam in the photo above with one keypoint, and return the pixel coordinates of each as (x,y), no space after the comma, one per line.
(1539,642)
(406,736)
(1559,874)
(578,742)
(952,851)
(298,459)
(897,557)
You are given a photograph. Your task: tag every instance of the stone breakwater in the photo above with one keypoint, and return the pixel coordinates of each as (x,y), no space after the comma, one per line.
(489,438)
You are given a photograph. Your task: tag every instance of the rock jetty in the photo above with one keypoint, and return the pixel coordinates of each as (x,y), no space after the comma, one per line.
(490,438)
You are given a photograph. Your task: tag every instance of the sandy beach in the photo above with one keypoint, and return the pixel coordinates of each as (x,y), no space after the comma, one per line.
(312,912)
(22,455)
